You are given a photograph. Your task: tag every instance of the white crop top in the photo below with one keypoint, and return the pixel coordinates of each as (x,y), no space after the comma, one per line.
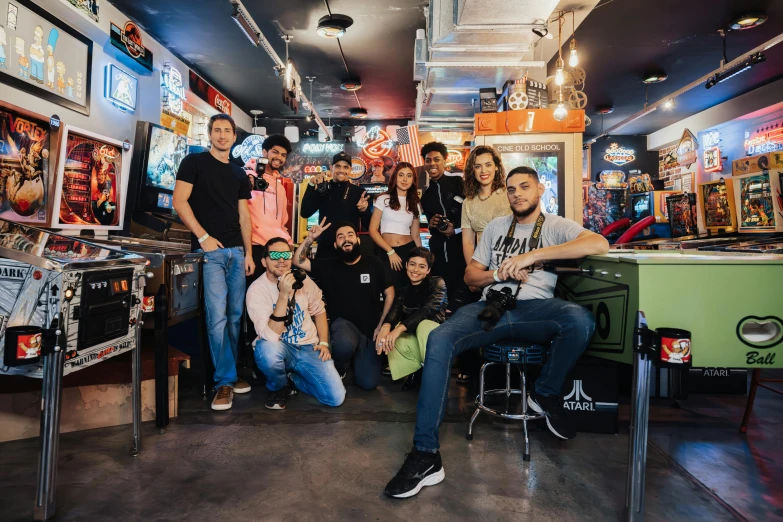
(394,221)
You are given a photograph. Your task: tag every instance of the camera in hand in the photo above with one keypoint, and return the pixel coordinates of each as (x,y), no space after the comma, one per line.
(498,302)
(299,277)
(258,182)
(325,186)
(443,224)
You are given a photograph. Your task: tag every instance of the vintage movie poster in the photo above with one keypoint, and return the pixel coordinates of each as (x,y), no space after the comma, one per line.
(91,182)
(717,209)
(24,167)
(548,159)
(167,150)
(755,198)
(681,210)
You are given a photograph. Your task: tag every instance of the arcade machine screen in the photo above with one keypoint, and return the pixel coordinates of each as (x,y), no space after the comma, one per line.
(90,184)
(550,166)
(641,206)
(163,152)
(24,167)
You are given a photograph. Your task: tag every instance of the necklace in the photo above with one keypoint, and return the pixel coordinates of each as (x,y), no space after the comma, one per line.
(486,198)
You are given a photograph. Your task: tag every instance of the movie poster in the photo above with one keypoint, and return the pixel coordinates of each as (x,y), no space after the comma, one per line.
(548,159)
(24,167)
(90,184)
(756,209)
(717,210)
(681,215)
(167,150)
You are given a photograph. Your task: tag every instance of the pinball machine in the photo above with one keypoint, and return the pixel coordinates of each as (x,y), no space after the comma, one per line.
(65,304)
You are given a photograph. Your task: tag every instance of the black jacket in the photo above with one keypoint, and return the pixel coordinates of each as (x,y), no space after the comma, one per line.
(444,197)
(431,302)
(337,205)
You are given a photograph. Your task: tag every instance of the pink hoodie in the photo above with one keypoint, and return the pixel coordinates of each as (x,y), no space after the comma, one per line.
(268,213)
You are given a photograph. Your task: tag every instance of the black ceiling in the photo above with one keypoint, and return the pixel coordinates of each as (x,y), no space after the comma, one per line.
(378,49)
(622,39)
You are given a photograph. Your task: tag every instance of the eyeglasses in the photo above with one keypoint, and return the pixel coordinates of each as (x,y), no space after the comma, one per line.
(274,256)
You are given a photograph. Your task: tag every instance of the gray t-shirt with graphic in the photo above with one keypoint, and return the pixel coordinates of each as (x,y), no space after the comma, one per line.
(493,249)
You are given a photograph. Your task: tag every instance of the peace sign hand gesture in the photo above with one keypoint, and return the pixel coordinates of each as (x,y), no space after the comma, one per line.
(317,230)
(364,202)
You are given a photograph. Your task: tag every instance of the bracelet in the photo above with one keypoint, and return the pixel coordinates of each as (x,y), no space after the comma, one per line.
(495,275)
(391,252)
(203,238)
(324,343)
(273,317)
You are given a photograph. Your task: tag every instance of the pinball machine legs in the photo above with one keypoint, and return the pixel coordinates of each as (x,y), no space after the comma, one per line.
(51,396)
(756,381)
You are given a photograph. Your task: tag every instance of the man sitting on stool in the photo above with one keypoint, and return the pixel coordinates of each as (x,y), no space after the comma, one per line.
(509,250)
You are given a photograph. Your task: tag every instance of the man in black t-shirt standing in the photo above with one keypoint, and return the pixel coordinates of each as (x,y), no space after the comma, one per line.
(352,287)
(211,199)
(442,204)
(343,201)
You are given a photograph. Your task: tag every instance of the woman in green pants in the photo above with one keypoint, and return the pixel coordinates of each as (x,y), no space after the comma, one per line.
(417,310)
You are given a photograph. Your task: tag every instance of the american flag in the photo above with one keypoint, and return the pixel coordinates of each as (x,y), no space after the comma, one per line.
(408,145)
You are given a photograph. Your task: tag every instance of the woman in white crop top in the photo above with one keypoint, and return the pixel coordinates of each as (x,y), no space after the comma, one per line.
(395,220)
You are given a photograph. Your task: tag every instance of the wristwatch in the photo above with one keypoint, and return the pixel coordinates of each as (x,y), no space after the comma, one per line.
(324,343)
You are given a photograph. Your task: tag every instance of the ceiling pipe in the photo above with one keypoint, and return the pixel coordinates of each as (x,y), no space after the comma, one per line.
(507,63)
(652,107)
(440,119)
(264,43)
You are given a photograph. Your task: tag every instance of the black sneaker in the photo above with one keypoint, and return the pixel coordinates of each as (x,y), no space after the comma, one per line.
(276,400)
(463,378)
(386,370)
(342,372)
(556,419)
(420,469)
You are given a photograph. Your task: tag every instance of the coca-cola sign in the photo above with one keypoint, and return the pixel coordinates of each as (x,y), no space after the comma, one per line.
(209,94)
(219,101)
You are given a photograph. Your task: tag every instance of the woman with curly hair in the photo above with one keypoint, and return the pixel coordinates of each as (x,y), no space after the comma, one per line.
(394,225)
(485,196)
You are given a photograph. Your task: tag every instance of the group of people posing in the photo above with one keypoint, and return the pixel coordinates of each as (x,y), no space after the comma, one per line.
(350,305)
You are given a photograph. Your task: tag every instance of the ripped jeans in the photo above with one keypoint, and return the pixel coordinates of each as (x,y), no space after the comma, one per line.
(568,326)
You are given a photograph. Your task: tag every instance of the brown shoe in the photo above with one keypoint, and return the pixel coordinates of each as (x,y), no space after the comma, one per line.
(223,398)
(241,386)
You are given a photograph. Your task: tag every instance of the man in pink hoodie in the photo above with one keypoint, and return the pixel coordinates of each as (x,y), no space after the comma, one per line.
(268,208)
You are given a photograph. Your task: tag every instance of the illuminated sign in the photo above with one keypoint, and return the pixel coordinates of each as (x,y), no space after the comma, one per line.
(173,90)
(358,168)
(711,139)
(686,150)
(128,40)
(322,149)
(612,180)
(712,161)
(764,138)
(120,88)
(619,155)
(376,143)
(249,148)
(315,169)
(209,94)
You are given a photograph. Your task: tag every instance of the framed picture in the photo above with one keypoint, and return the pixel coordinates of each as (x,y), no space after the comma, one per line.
(92,179)
(44,57)
(88,8)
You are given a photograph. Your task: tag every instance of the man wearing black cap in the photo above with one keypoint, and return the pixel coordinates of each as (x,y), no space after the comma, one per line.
(337,200)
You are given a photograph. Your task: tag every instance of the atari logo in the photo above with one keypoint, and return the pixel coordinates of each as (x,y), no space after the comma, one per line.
(578,400)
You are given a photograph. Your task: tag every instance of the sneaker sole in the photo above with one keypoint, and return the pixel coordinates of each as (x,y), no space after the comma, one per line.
(538,409)
(429,480)
(242,390)
(275,407)
(221,407)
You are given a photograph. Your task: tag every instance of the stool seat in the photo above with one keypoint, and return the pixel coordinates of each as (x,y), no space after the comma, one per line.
(510,353)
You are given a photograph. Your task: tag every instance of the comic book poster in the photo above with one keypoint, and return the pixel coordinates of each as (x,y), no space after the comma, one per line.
(681,215)
(755,198)
(717,209)
(167,150)
(91,182)
(24,167)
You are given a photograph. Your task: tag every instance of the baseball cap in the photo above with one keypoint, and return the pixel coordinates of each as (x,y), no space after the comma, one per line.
(342,156)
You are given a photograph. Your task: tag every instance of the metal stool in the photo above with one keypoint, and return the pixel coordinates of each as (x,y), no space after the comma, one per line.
(509,353)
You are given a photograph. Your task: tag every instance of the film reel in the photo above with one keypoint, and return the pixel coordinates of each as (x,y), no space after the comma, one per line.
(577,100)
(578,75)
(517,101)
(588,121)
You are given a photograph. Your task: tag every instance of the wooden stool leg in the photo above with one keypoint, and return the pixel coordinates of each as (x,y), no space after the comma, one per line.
(754,384)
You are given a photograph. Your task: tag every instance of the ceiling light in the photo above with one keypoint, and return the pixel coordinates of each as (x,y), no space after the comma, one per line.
(656,77)
(559,75)
(748,21)
(737,69)
(561,112)
(333,26)
(668,104)
(351,85)
(573,58)
(358,112)
(244,23)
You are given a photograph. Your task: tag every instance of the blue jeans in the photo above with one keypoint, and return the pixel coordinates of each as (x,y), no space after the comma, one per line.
(347,340)
(568,326)
(310,374)
(224,299)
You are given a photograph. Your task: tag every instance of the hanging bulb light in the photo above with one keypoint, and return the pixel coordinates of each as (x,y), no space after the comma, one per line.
(561,112)
(573,59)
(559,74)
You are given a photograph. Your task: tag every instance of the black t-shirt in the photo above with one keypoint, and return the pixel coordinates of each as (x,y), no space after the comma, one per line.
(217,189)
(337,205)
(353,292)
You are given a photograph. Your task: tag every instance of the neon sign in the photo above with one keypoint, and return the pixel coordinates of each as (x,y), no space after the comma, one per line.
(249,148)
(315,169)
(686,150)
(763,139)
(619,155)
(322,148)
(173,90)
(711,139)
(712,162)
(377,143)
(120,88)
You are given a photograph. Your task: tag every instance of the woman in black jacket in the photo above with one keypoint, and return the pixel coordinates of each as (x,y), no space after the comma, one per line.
(417,310)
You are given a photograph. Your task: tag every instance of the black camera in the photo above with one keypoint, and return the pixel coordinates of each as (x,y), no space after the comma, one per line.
(498,302)
(299,277)
(325,186)
(258,182)
(443,224)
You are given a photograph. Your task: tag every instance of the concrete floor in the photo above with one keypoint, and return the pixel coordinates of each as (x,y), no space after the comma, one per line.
(315,463)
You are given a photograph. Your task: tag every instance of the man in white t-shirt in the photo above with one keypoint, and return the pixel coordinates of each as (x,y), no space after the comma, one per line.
(507,259)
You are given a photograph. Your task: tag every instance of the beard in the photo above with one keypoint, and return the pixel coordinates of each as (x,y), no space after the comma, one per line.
(527,212)
(349,256)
